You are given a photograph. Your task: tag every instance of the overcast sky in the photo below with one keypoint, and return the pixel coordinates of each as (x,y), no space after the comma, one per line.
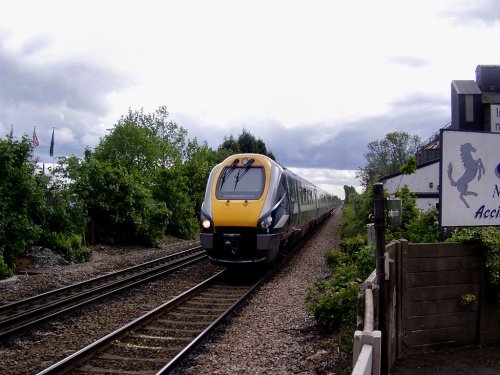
(316,80)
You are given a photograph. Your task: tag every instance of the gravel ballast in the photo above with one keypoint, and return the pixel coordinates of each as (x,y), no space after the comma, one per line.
(272,333)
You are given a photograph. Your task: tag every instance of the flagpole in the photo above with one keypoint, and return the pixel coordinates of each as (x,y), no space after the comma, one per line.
(51,152)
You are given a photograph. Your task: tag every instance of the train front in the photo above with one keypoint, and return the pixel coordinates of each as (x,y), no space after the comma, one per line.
(240,212)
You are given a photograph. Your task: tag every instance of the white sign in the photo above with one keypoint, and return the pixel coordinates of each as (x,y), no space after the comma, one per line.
(469,178)
(495,118)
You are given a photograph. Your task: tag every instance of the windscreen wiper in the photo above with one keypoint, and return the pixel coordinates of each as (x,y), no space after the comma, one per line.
(227,172)
(240,174)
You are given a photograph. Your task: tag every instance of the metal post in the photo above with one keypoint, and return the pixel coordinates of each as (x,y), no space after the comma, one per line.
(379,215)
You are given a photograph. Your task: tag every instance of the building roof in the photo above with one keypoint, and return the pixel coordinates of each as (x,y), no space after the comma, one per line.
(399,173)
(466,87)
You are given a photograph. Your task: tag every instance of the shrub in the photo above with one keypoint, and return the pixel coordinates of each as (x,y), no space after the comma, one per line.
(365,262)
(353,245)
(333,302)
(4,270)
(333,305)
(489,239)
(120,204)
(21,205)
(335,258)
(69,246)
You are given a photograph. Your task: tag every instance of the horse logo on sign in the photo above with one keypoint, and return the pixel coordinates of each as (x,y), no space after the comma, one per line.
(472,168)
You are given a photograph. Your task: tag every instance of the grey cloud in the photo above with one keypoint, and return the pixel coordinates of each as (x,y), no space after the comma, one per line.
(486,11)
(69,84)
(320,145)
(412,62)
(63,93)
(35,44)
(417,115)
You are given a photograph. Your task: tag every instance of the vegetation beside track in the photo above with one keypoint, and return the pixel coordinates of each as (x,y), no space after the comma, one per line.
(333,301)
(145,179)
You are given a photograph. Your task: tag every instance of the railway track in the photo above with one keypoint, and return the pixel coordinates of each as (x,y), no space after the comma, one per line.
(155,342)
(24,314)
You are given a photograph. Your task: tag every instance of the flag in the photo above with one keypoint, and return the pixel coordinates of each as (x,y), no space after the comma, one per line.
(52,143)
(35,138)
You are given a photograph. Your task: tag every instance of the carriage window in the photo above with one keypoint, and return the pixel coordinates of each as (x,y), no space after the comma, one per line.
(241,183)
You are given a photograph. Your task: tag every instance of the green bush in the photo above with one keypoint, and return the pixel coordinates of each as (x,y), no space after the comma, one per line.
(365,262)
(69,246)
(355,214)
(333,302)
(4,270)
(345,274)
(489,239)
(333,305)
(22,204)
(335,258)
(120,203)
(421,229)
(353,245)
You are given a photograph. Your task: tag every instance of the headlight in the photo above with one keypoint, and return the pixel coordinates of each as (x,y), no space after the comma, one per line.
(205,224)
(266,223)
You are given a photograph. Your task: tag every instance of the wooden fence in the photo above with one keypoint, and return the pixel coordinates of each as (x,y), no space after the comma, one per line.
(436,297)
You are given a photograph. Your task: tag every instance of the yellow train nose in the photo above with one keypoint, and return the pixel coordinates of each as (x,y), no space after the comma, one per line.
(236,213)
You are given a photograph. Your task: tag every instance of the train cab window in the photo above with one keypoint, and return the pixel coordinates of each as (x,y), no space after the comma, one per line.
(241,183)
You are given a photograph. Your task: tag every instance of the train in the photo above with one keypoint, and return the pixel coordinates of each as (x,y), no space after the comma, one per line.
(254,208)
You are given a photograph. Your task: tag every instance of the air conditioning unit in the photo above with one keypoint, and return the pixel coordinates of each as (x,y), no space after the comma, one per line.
(488,77)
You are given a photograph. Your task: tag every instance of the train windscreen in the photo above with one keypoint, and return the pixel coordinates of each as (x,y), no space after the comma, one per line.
(241,183)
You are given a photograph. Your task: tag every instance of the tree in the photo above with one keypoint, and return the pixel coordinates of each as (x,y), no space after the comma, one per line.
(230,146)
(22,203)
(123,182)
(119,203)
(349,192)
(385,157)
(143,141)
(199,161)
(246,143)
(143,180)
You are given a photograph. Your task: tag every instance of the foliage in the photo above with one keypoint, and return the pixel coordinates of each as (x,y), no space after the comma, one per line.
(336,259)
(143,141)
(467,299)
(246,143)
(119,203)
(333,301)
(229,146)
(349,193)
(409,167)
(352,245)
(416,226)
(489,239)
(172,189)
(70,246)
(333,305)
(423,229)
(385,156)
(365,262)
(22,205)
(199,159)
(356,212)
(65,213)
(143,180)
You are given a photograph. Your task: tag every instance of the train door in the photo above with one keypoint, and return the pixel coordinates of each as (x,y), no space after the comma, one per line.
(294,205)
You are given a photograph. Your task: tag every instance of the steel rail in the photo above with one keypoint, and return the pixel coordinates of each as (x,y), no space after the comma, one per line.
(117,348)
(69,298)
(69,363)
(79,360)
